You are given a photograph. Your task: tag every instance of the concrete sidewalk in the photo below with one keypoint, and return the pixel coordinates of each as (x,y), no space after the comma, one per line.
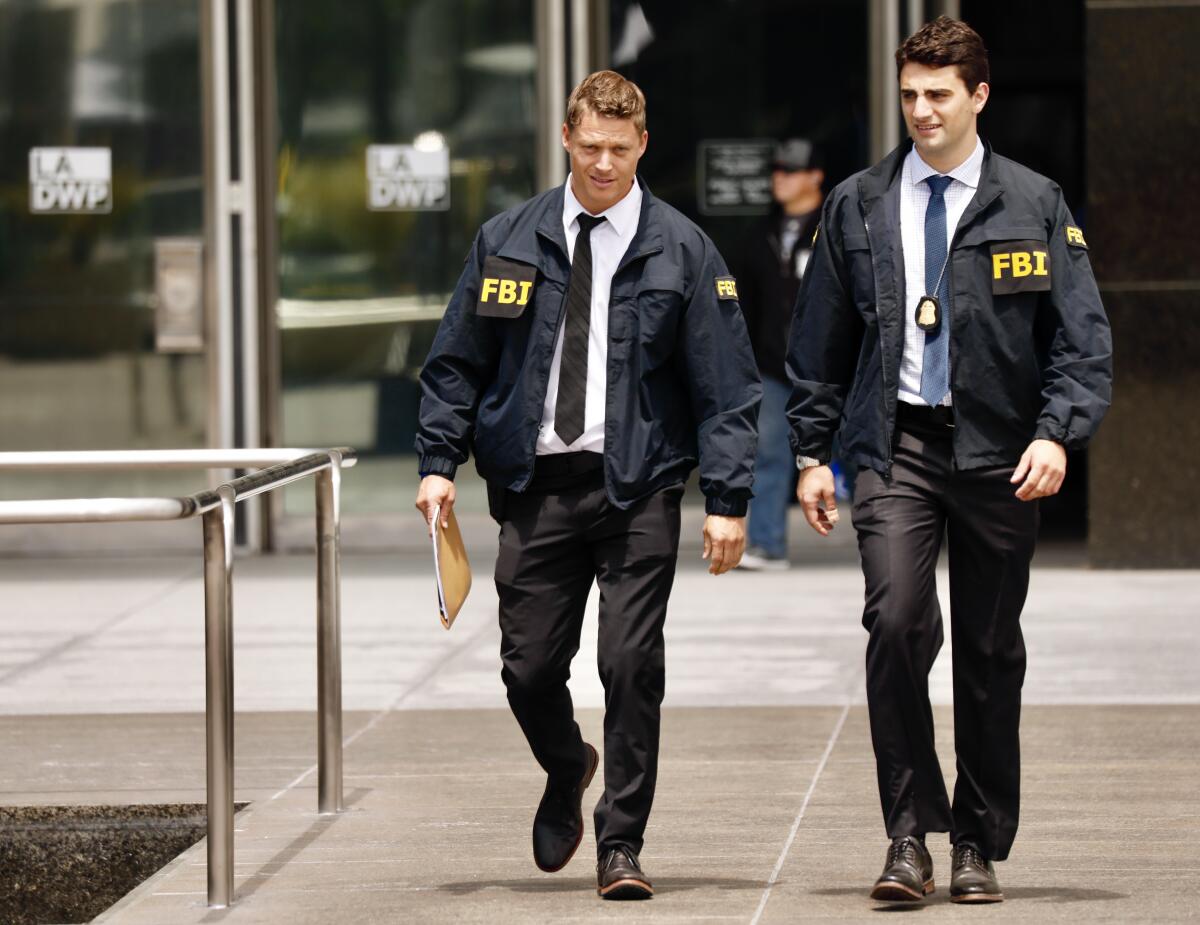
(766,808)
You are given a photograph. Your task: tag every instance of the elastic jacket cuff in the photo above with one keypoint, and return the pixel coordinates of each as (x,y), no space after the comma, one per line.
(1048,430)
(725,508)
(437,465)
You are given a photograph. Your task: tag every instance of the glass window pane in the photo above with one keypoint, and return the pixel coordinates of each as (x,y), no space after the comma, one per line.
(78,366)
(361,291)
(757,69)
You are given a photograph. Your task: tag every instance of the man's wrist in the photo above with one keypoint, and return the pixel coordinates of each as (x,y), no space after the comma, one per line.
(437,465)
(808,462)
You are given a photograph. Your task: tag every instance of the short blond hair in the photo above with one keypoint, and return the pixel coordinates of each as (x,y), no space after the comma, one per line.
(607,93)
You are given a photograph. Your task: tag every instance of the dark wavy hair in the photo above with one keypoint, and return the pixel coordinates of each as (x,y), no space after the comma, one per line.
(946,42)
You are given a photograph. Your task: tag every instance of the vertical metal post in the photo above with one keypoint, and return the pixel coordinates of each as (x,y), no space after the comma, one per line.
(884,28)
(601,52)
(581,41)
(218,655)
(550,26)
(916,17)
(329,638)
(266,182)
(951,8)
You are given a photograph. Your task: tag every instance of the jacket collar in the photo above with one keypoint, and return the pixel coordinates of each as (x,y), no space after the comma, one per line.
(874,183)
(647,239)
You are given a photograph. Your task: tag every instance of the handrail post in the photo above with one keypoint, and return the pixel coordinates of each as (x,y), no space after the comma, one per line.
(218,654)
(329,638)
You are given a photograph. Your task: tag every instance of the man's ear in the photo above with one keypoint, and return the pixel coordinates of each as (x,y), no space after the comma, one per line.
(566,137)
(980,97)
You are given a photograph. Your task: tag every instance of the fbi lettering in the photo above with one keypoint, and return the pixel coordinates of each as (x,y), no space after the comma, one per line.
(726,287)
(504,288)
(505,291)
(1020,266)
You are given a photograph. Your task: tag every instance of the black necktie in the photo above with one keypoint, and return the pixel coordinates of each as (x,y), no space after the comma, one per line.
(572,374)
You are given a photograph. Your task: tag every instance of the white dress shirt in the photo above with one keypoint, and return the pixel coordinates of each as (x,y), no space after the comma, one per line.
(610,241)
(914,198)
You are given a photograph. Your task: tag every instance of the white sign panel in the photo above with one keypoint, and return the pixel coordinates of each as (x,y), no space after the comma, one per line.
(70,180)
(401,178)
(734,176)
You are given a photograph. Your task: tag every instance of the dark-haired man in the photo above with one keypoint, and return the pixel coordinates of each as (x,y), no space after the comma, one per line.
(950,327)
(591,354)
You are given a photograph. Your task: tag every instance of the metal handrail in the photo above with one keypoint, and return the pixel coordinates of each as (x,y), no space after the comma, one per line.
(257,458)
(217,507)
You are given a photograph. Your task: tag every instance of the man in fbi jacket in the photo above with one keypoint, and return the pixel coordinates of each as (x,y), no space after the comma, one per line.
(949,325)
(592,353)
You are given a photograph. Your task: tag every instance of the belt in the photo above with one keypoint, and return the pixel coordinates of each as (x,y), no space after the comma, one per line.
(567,463)
(923,416)
(556,472)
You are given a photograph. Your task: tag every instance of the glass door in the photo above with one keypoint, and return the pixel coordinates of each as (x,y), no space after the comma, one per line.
(100,169)
(403,126)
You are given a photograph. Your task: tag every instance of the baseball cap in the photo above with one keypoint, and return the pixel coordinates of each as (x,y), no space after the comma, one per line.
(796,154)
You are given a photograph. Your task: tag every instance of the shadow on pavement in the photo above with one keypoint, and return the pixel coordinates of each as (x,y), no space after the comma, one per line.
(1052,894)
(578,884)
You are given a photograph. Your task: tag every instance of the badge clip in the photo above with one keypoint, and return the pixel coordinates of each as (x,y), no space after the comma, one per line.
(929,314)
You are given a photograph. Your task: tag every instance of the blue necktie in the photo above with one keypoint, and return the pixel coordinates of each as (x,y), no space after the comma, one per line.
(935,367)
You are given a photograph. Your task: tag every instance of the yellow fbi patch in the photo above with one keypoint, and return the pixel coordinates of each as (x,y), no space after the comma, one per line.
(505,287)
(1075,237)
(726,288)
(505,291)
(1020,266)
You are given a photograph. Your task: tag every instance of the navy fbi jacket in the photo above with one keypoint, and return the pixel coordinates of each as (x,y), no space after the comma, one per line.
(682,382)
(1030,346)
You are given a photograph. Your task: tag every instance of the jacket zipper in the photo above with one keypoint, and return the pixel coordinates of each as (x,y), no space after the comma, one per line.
(889,424)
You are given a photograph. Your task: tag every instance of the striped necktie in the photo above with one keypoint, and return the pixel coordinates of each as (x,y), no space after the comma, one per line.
(573,371)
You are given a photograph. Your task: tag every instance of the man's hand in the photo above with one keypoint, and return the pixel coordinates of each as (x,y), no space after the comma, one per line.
(435,491)
(1041,471)
(724,542)
(816,495)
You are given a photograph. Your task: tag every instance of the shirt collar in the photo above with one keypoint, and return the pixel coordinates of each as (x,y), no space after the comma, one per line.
(967,173)
(623,215)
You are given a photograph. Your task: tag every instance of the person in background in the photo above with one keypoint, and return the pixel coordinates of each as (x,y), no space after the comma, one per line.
(773,261)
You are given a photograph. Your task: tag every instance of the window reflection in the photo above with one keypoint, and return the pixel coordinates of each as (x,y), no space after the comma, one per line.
(361,291)
(78,368)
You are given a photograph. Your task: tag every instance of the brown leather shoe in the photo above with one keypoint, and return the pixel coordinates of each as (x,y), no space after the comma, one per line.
(619,876)
(558,823)
(907,873)
(972,877)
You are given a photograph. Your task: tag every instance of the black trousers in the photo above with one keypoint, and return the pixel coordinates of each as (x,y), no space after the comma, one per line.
(900,523)
(553,544)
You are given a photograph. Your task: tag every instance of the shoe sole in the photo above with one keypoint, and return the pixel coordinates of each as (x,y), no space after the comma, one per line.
(978,898)
(583,785)
(626,889)
(764,565)
(898,893)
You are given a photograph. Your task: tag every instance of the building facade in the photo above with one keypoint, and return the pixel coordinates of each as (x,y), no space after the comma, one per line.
(237,223)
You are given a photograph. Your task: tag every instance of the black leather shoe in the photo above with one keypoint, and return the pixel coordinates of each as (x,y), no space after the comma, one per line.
(972,877)
(907,873)
(558,824)
(619,876)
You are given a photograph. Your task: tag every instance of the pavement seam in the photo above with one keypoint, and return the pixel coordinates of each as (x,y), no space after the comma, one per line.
(374,721)
(45,658)
(787,845)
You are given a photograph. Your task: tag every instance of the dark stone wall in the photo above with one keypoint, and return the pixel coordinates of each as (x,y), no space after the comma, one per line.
(1143,229)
